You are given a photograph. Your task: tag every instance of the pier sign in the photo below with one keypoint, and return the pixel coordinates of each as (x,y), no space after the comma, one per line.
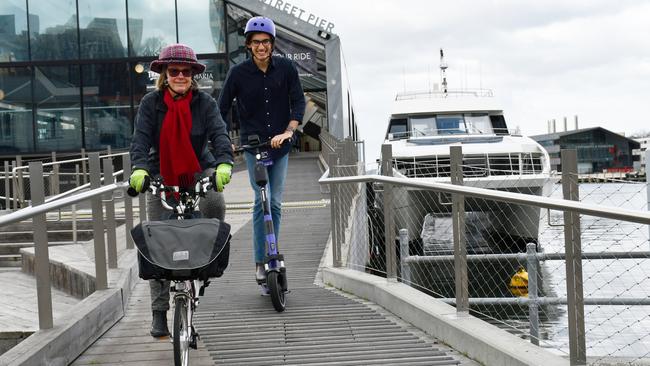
(301,14)
(304,57)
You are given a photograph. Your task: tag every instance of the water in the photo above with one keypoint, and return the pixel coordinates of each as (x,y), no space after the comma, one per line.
(611,331)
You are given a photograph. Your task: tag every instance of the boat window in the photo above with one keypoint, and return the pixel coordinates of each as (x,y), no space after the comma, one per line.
(423,126)
(450,124)
(499,125)
(397,129)
(478,123)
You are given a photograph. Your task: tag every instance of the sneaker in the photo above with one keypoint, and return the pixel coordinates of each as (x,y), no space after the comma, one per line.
(260,273)
(265,290)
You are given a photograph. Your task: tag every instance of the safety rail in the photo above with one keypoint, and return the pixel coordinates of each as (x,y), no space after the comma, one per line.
(105,252)
(356,232)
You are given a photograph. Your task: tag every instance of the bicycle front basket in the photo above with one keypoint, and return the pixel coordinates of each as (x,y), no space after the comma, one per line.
(182,249)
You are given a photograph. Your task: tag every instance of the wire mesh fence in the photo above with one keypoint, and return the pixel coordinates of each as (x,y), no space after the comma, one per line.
(615,276)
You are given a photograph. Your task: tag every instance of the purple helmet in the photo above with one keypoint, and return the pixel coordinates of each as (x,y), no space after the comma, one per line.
(260,24)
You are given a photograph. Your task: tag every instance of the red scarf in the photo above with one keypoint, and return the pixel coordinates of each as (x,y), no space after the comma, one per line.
(178,163)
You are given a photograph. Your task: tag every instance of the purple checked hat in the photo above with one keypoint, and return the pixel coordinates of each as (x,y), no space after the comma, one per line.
(177,54)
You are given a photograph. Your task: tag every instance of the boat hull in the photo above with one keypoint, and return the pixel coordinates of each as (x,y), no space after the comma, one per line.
(491,226)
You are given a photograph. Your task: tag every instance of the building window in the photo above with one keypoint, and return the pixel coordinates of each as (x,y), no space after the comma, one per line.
(13,31)
(58,111)
(152,26)
(16,134)
(107,106)
(201,25)
(102,29)
(53,30)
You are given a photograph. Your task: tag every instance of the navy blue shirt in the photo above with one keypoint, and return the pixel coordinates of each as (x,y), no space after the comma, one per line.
(266,102)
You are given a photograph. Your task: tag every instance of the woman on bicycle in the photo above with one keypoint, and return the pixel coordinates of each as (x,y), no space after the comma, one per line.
(175,128)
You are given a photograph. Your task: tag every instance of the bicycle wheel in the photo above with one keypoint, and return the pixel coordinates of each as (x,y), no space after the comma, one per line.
(182,333)
(275,288)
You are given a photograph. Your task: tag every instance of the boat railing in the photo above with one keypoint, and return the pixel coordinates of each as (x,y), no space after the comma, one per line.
(429,94)
(481,165)
(533,286)
(457,133)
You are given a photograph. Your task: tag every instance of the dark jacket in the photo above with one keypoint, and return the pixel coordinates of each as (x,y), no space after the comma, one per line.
(207,128)
(266,102)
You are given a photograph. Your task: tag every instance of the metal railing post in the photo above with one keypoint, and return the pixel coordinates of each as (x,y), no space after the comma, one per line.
(83,166)
(458,220)
(101,277)
(647,184)
(334,199)
(340,214)
(20,186)
(405,269)
(389,234)
(128,202)
(53,176)
(74,207)
(7,186)
(111,237)
(41,254)
(533,307)
(573,250)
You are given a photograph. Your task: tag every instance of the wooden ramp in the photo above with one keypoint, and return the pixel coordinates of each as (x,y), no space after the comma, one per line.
(238,326)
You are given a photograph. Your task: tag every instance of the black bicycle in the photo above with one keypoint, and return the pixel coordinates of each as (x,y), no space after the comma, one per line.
(185,249)
(276,273)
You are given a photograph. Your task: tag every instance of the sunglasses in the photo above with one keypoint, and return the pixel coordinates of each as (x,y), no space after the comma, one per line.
(174,72)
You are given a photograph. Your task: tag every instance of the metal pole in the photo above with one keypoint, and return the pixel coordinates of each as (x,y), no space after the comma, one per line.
(389,234)
(533,307)
(458,220)
(647,184)
(42,258)
(83,165)
(20,185)
(128,202)
(334,199)
(53,176)
(101,277)
(575,296)
(111,237)
(7,194)
(74,207)
(404,253)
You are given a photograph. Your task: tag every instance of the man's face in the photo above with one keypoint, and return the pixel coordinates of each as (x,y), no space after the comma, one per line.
(261,45)
(179,77)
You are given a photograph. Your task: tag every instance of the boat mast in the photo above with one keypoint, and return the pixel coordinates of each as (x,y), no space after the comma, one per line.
(443,69)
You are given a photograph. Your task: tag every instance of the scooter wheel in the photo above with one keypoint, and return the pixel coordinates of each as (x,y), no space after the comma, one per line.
(274,282)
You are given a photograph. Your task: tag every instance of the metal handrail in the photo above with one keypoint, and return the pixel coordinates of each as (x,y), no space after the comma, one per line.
(31,211)
(509,197)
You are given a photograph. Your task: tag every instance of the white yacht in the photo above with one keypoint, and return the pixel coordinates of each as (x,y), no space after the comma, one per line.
(423,126)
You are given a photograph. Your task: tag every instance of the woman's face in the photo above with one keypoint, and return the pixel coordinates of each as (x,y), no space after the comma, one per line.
(179,77)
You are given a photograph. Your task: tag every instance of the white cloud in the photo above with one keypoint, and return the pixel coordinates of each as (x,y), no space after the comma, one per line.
(546,59)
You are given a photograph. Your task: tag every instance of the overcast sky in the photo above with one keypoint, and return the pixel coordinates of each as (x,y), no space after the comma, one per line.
(544,59)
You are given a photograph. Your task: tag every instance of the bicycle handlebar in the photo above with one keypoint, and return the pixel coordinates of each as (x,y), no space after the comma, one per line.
(267,143)
(188,199)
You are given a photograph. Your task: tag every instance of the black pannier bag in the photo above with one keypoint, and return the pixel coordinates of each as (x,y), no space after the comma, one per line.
(182,249)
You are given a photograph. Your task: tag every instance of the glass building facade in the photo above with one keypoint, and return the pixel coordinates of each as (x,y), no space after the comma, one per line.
(597,149)
(72,72)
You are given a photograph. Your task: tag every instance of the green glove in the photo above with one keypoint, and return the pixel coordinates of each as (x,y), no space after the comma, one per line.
(139,180)
(222,175)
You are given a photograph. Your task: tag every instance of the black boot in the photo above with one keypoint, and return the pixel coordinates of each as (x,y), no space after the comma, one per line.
(159,324)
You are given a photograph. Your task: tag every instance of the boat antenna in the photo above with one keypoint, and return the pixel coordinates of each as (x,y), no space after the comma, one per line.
(443,69)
